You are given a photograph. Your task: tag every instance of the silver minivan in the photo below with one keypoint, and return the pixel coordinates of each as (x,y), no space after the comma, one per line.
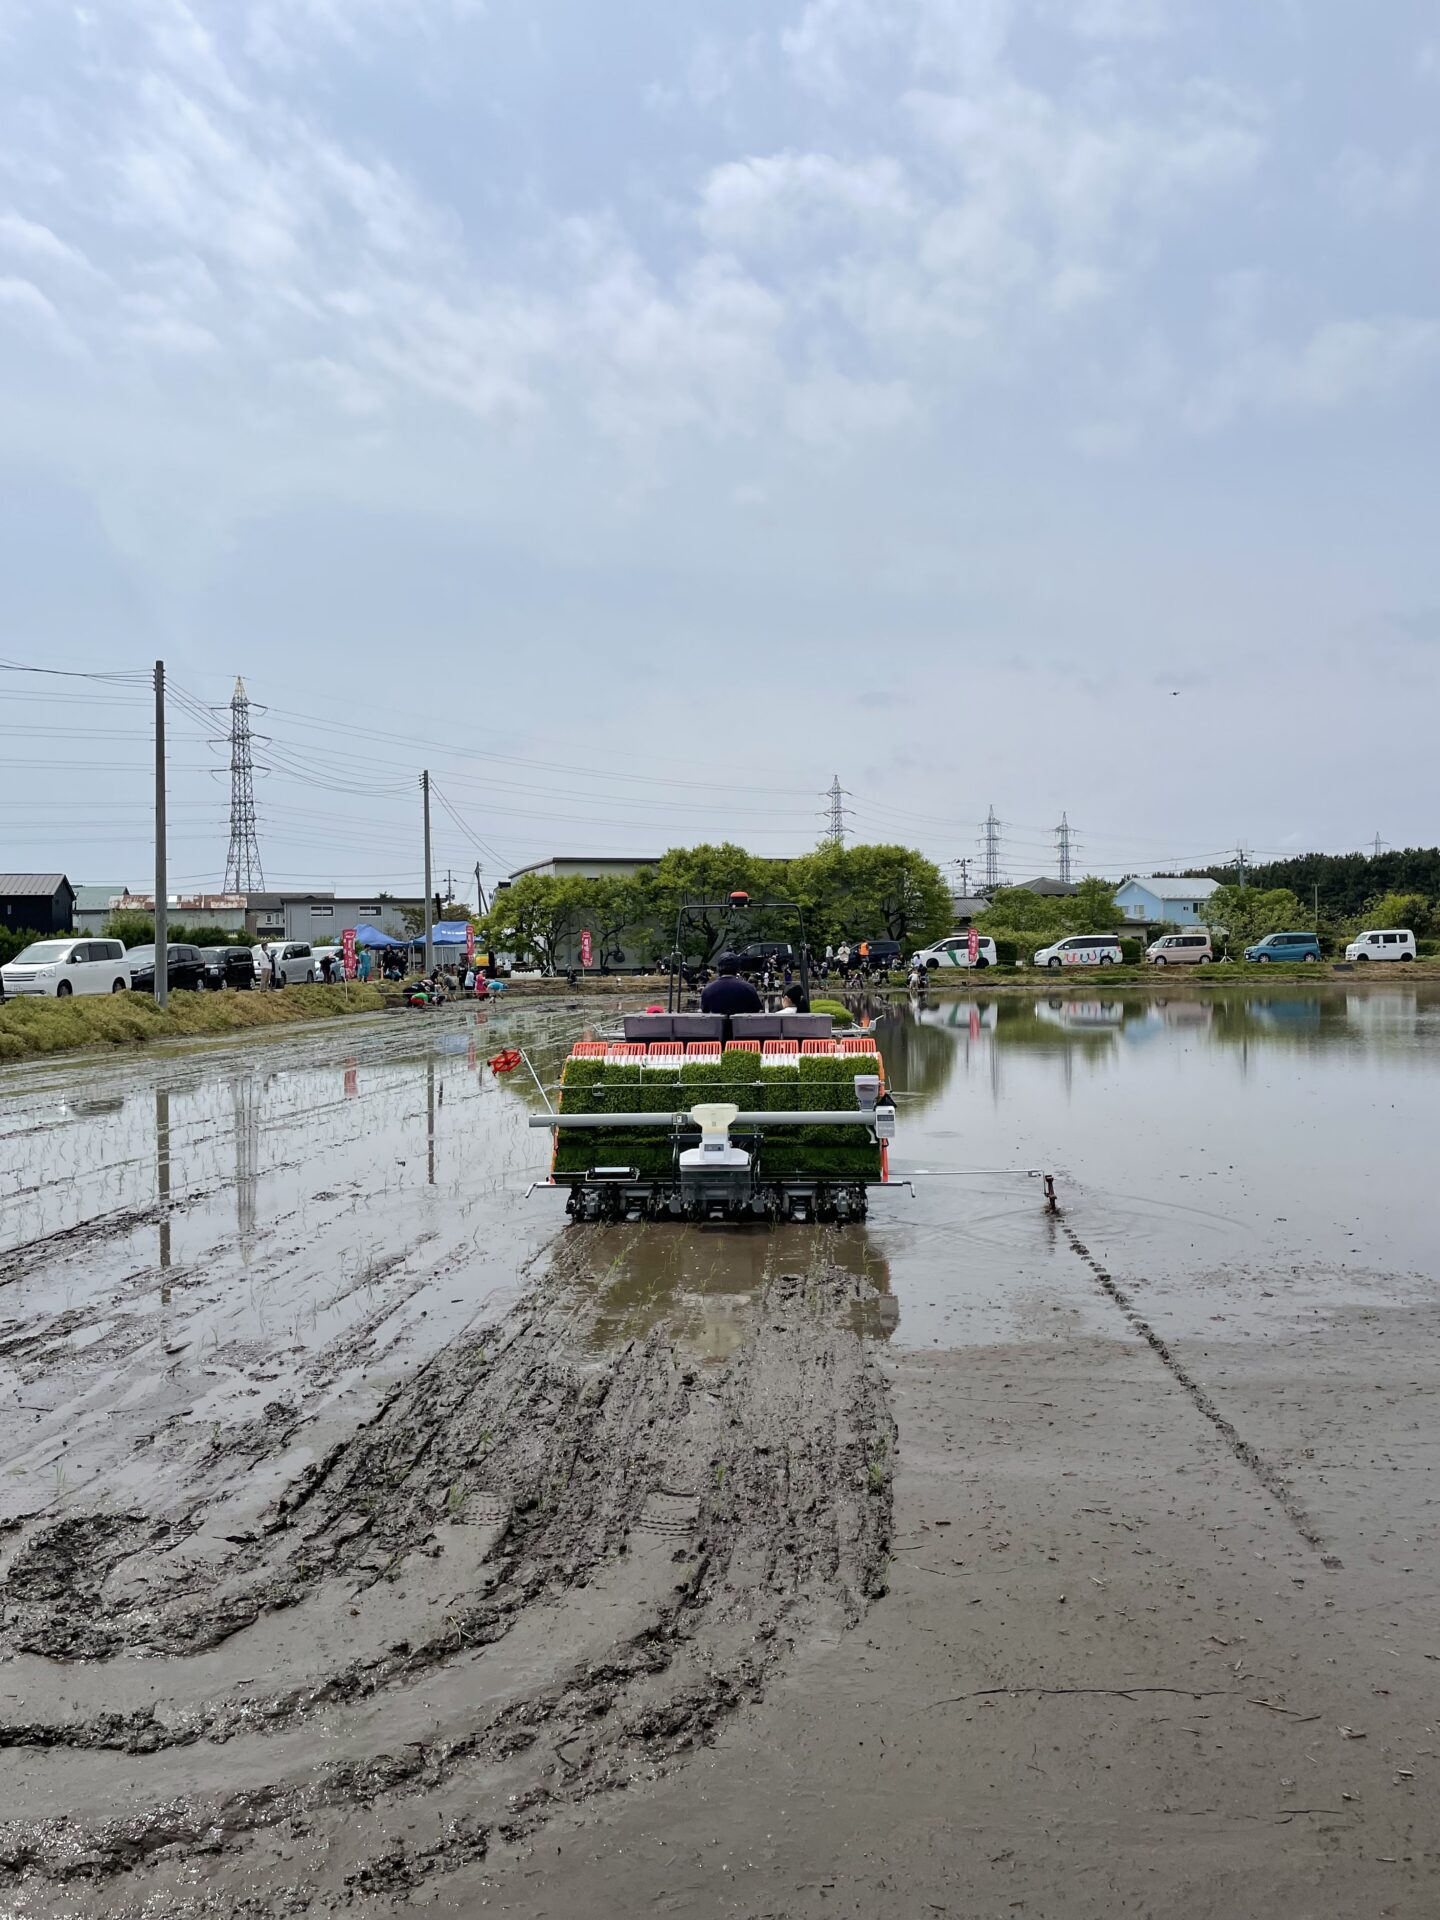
(1180,949)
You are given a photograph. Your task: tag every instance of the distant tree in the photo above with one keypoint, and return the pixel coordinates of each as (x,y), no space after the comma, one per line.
(135,929)
(1018,910)
(1249,913)
(1092,908)
(533,917)
(1410,910)
(897,892)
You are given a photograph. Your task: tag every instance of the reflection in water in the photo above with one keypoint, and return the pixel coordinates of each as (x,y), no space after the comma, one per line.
(430,1117)
(162,1171)
(703,1284)
(247,1153)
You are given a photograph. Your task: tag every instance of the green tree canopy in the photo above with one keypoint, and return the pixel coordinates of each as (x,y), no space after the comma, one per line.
(1410,910)
(1249,913)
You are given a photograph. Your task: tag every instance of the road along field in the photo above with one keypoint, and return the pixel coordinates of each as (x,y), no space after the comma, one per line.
(368,1540)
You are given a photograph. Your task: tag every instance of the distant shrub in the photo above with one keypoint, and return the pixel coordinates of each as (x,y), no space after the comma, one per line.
(1132,952)
(1007,953)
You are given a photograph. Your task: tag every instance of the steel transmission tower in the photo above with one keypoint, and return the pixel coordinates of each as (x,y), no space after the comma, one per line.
(243,873)
(990,850)
(1064,848)
(835,824)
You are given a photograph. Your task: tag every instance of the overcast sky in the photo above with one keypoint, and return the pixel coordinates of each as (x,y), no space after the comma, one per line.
(643,412)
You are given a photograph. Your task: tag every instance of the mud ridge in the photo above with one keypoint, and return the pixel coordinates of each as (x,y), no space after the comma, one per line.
(661,1538)
(1248,1457)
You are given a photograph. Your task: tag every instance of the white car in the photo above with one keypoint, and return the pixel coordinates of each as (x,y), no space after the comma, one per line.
(1388,943)
(293,961)
(1082,950)
(954,951)
(59,968)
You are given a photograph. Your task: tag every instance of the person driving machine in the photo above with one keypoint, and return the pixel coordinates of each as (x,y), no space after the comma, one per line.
(728,993)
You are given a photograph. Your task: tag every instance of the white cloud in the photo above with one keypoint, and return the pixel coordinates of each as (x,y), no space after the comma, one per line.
(32,241)
(1341,363)
(833,43)
(829,410)
(32,310)
(1370,188)
(785,199)
(1113,19)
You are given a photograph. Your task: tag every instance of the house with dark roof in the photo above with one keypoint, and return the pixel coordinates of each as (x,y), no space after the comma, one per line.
(36,903)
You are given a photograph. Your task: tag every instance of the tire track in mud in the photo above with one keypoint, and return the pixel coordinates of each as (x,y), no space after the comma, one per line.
(1254,1462)
(533,1574)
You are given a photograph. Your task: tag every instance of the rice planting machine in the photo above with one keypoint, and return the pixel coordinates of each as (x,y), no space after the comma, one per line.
(704,1116)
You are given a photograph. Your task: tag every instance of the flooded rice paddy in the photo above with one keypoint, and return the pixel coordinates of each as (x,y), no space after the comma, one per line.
(360,1521)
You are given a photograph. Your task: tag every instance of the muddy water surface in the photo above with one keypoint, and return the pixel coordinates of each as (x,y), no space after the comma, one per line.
(1283,1133)
(358,1520)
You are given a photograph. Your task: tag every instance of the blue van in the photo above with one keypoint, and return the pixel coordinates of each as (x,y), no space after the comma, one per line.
(1285,946)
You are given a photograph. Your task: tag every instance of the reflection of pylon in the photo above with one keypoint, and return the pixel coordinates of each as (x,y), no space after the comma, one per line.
(243,873)
(247,1156)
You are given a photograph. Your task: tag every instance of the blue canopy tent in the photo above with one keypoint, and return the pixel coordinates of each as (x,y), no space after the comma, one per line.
(445,933)
(373,937)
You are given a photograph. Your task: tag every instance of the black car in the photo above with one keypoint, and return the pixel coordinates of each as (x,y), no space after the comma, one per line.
(228,967)
(760,954)
(184,969)
(885,953)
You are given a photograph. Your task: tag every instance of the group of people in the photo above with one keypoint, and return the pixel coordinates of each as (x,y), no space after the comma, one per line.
(852,965)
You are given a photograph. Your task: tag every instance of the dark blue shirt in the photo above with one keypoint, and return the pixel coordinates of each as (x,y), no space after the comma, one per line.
(730,994)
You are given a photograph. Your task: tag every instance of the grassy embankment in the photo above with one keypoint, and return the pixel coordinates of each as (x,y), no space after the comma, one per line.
(31,1027)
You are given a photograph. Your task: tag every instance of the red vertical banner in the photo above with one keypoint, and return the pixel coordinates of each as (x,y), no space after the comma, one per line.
(586,950)
(972,946)
(469,943)
(347,952)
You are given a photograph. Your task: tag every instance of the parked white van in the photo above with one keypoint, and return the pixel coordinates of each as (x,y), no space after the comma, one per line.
(292,960)
(955,952)
(59,968)
(1388,943)
(1082,950)
(1177,949)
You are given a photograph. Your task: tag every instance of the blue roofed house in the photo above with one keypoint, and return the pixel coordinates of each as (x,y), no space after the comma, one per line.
(1150,899)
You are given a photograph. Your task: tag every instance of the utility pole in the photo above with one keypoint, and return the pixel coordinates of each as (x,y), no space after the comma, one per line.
(480,906)
(990,845)
(429,896)
(449,884)
(162,883)
(1062,844)
(964,866)
(1240,864)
